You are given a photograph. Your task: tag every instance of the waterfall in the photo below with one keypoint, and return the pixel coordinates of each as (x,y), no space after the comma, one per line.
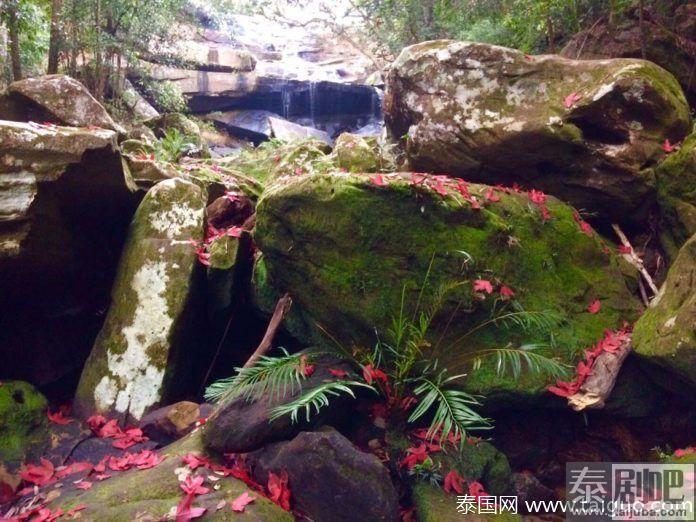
(312,101)
(286,97)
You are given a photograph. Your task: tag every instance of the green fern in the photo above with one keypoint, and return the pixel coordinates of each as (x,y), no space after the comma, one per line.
(515,360)
(452,414)
(273,375)
(316,398)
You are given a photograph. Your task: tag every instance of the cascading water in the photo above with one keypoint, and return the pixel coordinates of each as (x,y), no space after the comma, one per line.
(313,102)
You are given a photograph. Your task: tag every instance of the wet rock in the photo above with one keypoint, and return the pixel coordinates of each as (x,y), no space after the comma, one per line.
(254,125)
(330,479)
(241,425)
(65,204)
(58,99)
(528,488)
(138,357)
(153,494)
(346,246)
(667,36)
(584,131)
(676,188)
(665,336)
(23,428)
(285,130)
(174,421)
(138,106)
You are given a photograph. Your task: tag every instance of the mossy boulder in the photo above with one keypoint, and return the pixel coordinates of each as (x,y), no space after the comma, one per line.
(153,494)
(361,154)
(135,361)
(23,427)
(186,126)
(665,336)
(346,246)
(676,189)
(432,504)
(586,131)
(56,98)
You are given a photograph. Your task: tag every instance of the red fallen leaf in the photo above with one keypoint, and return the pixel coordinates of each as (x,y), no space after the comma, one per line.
(439,186)
(306,369)
(594,306)
(102,476)
(537,197)
(545,214)
(110,430)
(584,225)
(45,515)
(240,503)
(454,482)
(71,512)
(371,374)
(278,490)
(481,285)
(147,459)
(235,231)
(571,99)
(130,437)
(624,249)
(529,57)
(39,475)
(668,147)
(506,292)
(7,493)
(378,180)
(338,373)
(685,451)
(83,484)
(95,422)
(477,490)
(75,467)
(58,417)
(194,461)
(474,203)
(298,171)
(491,196)
(194,486)
(517,188)
(184,511)
(415,455)
(201,421)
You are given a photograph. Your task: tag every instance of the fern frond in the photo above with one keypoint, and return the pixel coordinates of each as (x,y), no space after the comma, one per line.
(453,414)
(315,399)
(270,375)
(515,359)
(525,320)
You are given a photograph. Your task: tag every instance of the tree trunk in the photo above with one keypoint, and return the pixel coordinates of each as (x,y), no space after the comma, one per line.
(13,29)
(641,26)
(55,38)
(98,73)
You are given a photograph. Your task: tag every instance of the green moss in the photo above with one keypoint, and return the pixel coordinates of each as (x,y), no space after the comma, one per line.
(346,249)
(434,505)
(23,423)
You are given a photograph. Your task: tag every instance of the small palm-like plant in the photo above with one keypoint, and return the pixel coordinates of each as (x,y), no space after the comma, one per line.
(173,145)
(400,369)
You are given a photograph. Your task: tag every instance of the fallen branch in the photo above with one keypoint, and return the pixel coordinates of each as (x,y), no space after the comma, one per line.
(633,258)
(598,386)
(281,310)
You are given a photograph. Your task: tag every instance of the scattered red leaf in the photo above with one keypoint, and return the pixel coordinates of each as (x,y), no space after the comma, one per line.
(477,490)
(491,196)
(371,374)
(571,99)
(95,422)
(83,484)
(454,482)
(194,461)
(46,515)
(194,486)
(38,475)
(378,180)
(624,249)
(506,292)
(482,285)
(58,417)
(338,373)
(71,512)
(594,306)
(668,147)
(414,455)
(240,503)
(278,490)
(690,450)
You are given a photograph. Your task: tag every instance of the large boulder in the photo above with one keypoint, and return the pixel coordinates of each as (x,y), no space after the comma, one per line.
(330,479)
(345,246)
(676,195)
(23,429)
(665,336)
(584,131)
(138,357)
(667,37)
(65,204)
(56,98)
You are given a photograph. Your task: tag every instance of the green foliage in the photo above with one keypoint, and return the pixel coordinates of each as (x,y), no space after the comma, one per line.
(173,145)
(167,96)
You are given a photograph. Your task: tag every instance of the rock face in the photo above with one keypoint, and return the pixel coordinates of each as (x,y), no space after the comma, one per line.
(140,348)
(65,205)
(584,131)
(665,336)
(345,246)
(23,428)
(241,426)
(329,478)
(676,195)
(667,36)
(56,98)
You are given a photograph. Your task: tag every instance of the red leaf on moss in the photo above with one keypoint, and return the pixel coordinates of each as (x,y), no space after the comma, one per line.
(454,482)
(624,249)
(414,455)
(537,197)
(57,417)
(194,461)
(95,422)
(38,475)
(506,292)
(477,490)
(491,196)
(83,484)
(571,99)
(240,503)
(482,285)
(378,180)
(668,147)
(685,451)
(278,490)
(46,515)
(194,486)
(594,306)
(71,512)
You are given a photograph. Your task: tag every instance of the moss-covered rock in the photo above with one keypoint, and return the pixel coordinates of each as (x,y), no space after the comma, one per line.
(582,130)
(432,504)
(345,248)
(134,360)
(154,493)
(178,121)
(676,186)
(23,427)
(361,154)
(56,98)
(665,336)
